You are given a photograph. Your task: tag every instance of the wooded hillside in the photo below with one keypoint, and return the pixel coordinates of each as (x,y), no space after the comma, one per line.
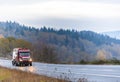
(59,46)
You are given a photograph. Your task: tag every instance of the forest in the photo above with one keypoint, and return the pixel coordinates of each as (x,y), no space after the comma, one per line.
(58,46)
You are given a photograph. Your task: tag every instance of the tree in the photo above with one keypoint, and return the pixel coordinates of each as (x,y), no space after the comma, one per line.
(101,55)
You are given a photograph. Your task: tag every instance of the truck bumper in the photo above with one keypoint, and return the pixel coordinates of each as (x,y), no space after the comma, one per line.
(25,62)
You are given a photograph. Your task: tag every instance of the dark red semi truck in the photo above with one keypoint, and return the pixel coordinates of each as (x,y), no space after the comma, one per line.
(21,56)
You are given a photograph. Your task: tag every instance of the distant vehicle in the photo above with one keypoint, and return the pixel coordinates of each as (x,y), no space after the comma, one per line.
(21,56)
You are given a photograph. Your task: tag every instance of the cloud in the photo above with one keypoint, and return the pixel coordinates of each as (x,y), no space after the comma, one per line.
(20,2)
(55,8)
(93,24)
(96,15)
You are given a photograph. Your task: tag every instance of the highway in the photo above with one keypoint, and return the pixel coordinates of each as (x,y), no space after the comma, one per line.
(94,73)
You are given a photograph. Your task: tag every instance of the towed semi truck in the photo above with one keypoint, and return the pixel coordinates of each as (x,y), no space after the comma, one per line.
(21,56)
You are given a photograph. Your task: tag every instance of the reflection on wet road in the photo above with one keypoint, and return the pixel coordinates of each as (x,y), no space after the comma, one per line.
(29,69)
(97,73)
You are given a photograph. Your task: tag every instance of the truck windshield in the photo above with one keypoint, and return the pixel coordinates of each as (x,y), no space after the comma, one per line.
(24,53)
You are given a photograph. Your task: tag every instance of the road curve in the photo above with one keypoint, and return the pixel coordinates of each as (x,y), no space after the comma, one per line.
(94,73)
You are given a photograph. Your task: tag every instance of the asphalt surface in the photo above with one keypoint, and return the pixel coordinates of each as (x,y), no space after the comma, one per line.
(93,73)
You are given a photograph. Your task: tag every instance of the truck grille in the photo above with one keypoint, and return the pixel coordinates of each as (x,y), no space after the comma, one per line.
(25,59)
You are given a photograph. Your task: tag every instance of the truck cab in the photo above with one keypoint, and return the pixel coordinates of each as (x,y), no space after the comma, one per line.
(21,56)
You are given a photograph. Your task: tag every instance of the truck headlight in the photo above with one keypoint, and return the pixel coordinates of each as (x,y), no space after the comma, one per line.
(30,59)
(20,59)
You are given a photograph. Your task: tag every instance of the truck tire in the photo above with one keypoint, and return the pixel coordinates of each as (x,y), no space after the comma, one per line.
(13,63)
(30,64)
(16,64)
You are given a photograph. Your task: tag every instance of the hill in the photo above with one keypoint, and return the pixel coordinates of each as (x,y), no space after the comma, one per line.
(113,34)
(63,46)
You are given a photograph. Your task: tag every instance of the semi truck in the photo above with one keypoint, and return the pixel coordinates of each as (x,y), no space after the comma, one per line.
(21,56)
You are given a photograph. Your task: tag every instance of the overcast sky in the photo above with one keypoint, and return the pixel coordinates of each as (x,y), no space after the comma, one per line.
(95,15)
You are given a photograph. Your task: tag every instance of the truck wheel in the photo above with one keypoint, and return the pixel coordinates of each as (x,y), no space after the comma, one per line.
(13,63)
(16,64)
(30,64)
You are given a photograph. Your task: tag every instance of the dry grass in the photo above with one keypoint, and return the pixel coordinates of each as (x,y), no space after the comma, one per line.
(9,75)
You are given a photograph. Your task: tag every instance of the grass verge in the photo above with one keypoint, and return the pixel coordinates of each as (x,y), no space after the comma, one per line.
(12,75)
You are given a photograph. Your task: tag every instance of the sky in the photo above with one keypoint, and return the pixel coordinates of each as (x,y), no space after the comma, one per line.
(94,15)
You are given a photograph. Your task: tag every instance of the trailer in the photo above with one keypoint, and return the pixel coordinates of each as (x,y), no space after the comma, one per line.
(21,57)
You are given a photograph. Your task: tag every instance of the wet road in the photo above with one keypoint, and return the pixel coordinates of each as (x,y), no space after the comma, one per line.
(94,73)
